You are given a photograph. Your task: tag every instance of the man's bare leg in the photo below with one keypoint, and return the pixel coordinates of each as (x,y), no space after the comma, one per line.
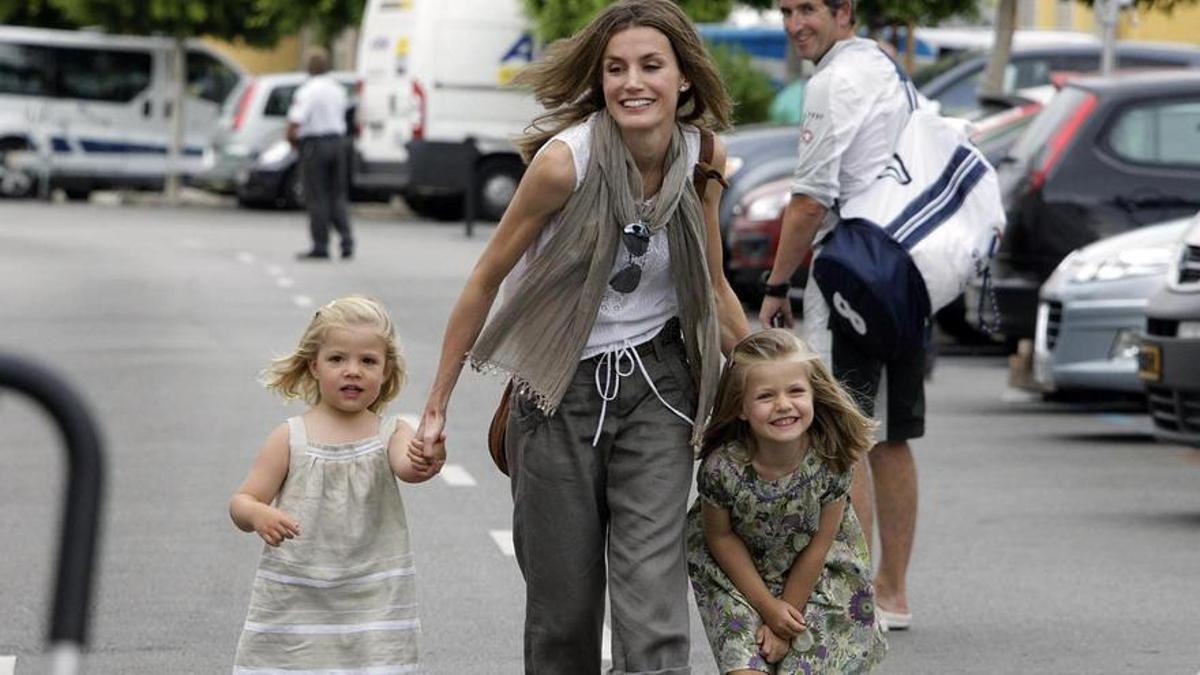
(894,475)
(862,500)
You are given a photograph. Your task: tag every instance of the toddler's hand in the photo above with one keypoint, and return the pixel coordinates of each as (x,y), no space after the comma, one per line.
(274,526)
(783,618)
(772,647)
(427,463)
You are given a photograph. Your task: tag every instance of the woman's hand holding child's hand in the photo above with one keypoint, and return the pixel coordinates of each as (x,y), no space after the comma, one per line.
(783,618)
(772,647)
(274,526)
(427,460)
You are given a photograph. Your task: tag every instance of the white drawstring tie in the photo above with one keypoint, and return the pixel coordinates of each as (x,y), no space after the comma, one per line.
(618,363)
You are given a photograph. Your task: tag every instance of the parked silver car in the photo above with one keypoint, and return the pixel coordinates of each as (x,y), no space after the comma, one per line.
(1091,310)
(253,120)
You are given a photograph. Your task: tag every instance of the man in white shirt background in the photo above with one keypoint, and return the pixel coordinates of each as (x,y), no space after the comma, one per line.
(856,104)
(317,127)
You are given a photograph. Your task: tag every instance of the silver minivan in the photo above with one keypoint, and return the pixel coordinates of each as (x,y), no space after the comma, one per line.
(86,110)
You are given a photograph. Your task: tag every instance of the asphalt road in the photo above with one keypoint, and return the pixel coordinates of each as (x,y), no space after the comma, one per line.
(1052,539)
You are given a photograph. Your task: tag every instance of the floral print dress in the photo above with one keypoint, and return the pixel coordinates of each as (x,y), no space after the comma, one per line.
(776,520)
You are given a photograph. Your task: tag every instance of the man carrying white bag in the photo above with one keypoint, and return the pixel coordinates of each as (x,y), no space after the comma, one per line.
(867,156)
(907,245)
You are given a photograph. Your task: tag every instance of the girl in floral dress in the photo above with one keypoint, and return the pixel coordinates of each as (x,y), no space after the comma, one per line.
(777,559)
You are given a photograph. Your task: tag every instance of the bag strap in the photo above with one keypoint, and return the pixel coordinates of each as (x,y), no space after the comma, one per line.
(704,170)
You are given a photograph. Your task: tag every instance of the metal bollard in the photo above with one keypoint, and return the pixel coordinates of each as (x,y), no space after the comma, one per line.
(81,517)
(471,193)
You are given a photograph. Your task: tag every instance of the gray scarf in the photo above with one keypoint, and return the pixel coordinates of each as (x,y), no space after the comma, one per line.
(539,334)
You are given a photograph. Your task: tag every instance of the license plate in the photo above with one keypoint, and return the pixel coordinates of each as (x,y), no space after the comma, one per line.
(1150,362)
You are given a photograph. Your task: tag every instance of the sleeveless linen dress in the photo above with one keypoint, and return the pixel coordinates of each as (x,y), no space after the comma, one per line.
(340,597)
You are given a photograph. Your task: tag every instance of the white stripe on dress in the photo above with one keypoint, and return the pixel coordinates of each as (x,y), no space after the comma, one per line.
(335,455)
(372,670)
(327,583)
(331,628)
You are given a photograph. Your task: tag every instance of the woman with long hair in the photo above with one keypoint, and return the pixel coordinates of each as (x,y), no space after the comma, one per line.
(614,313)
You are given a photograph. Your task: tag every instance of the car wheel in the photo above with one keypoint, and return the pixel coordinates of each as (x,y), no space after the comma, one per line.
(497,180)
(435,207)
(292,193)
(16,184)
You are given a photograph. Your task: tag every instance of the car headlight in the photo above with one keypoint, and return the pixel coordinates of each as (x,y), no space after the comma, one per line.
(1078,268)
(276,153)
(238,150)
(768,207)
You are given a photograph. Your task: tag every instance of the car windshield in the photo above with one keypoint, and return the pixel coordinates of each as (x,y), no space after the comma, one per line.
(925,74)
(1037,137)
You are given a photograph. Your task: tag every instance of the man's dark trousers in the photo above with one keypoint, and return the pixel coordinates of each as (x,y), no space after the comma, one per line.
(323,167)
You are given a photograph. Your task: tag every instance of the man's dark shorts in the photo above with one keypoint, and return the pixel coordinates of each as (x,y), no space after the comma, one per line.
(905,400)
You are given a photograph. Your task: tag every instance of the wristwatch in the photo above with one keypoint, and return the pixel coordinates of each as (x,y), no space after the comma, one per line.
(774,290)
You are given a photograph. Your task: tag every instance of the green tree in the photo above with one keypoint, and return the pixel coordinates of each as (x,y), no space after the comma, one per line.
(749,87)
(554,19)
(38,13)
(329,17)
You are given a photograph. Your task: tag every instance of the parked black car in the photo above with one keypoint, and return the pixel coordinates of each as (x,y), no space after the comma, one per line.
(760,154)
(1169,354)
(1106,155)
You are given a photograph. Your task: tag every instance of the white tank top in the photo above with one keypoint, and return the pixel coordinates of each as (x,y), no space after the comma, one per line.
(624,318)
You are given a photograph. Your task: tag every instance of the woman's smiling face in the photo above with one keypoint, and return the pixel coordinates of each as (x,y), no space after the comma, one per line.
(641,79)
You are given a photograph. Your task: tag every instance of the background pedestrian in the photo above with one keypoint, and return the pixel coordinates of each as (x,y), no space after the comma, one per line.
(317,127)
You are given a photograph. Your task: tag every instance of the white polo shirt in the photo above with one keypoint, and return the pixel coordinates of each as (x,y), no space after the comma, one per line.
(855,106)
(319,107)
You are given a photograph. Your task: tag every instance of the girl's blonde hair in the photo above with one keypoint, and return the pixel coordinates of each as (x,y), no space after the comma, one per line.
(567,80)
(839,433)
(290,376)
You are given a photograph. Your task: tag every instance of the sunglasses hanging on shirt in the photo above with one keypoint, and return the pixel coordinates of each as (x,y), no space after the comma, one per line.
(636,237)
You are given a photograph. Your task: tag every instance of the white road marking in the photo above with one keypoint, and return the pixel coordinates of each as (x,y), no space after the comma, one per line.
(275,270)
(285,282)
(456,476)
(1014,395)
(302,301)
(606,645)
(504,541)
(245,257)
(8,665)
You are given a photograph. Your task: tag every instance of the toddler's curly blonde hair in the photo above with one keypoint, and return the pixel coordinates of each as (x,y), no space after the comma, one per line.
(290,376)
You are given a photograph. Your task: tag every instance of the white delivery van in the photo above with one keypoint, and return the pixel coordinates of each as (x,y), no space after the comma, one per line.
(88,110)
(435,115)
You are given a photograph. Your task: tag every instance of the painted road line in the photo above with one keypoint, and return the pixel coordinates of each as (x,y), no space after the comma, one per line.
(456,476)
(1014,395)
(504,541)
(606,645)
(302,301)
(8,665)
(245,257)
